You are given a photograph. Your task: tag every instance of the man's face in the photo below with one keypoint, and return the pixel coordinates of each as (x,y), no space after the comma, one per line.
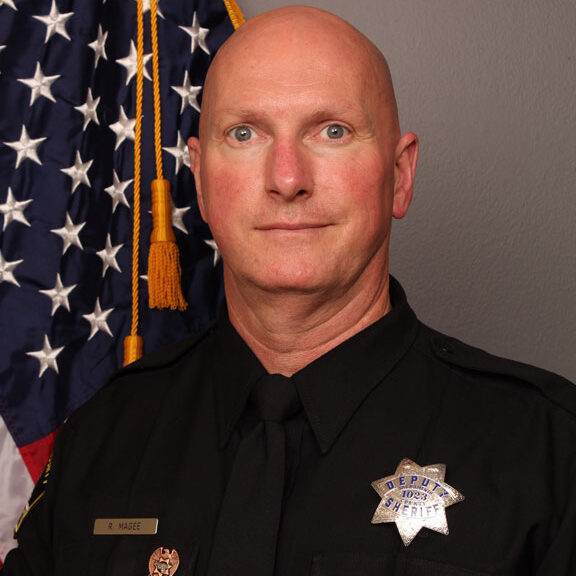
(295,169)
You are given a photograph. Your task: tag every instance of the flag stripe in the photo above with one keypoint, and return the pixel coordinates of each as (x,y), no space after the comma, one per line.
(15,487)
(36,455)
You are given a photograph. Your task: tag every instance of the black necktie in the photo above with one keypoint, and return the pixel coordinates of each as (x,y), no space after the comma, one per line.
(247,529)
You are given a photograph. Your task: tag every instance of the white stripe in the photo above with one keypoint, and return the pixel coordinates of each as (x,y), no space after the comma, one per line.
(15,488)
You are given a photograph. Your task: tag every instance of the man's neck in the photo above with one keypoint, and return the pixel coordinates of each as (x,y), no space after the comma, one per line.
(289,331)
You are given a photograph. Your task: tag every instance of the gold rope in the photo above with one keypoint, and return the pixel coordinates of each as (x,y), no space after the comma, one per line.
(164,272)
(164,260)
(156,89)
(234,13)
(133,344)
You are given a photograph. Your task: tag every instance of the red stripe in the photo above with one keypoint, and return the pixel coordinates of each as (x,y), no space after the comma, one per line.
(36,455)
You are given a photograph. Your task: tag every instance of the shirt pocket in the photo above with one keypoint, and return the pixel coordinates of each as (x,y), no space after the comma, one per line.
(385,564)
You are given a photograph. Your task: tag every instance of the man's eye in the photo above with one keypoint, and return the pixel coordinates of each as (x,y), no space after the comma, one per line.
(335,131)
(242,133)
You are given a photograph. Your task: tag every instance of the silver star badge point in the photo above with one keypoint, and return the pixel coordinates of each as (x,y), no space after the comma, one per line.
(415,497)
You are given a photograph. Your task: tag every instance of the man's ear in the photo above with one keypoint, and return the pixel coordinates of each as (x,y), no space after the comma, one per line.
(194,150)
(406,158)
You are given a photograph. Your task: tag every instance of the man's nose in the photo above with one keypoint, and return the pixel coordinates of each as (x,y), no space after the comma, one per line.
(288,170)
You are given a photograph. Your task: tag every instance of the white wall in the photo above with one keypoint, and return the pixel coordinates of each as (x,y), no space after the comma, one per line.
(488,250)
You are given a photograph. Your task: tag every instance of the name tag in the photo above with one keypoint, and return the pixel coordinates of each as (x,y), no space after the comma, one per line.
(125,526)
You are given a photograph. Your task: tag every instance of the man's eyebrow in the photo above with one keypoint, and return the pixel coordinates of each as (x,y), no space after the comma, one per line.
(237,113)
(356,116)
(320,114)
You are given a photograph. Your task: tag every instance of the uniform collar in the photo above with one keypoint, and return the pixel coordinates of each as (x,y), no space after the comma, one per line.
(332,387)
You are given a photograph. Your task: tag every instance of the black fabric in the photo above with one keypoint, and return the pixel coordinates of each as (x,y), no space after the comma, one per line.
(162,440)
(246,533)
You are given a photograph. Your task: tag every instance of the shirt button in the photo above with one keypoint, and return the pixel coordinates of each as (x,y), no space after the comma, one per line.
(446,347)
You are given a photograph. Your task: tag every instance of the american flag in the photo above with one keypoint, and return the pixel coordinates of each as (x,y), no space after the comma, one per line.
(67,116)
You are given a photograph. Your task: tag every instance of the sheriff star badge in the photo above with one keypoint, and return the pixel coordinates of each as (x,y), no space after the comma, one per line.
(415,497)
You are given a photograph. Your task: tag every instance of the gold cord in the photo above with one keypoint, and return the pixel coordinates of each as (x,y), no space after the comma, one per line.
(234,13)
(164,272)
(164,259)
(133,344)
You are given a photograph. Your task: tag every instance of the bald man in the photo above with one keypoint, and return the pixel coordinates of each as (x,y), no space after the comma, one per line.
(318,428)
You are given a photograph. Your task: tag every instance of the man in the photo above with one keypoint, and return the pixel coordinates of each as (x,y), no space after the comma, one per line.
(318,428)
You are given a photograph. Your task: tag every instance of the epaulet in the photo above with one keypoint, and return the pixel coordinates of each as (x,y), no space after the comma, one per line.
(164,356)
(556,388)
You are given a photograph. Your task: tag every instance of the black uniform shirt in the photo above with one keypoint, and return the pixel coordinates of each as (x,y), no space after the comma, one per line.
(160,440)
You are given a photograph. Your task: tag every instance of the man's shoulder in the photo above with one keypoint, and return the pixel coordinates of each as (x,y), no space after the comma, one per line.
(142,384)
(496,371)
(166,356)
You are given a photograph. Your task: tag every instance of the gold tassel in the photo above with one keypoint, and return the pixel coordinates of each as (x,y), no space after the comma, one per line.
(164,258)
(133,349)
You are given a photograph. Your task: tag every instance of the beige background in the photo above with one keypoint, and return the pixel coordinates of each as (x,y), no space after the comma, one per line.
(487,252)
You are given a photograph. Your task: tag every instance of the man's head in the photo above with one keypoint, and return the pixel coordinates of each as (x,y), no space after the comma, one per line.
(300,164)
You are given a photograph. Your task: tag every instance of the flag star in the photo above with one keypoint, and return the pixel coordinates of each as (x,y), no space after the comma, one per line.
(89,110)
(198,35)
(7,269)
(214,246)
(180,152)
(123,128)
(47,357)
(99,46)
(177,217)
(70,234)
(55,22)
(130,63)
(146,7)
(78,172)
(13,210)
(59,295)
(40,85)
(9,3)
(117,191)
(108,256)
(188,93)
(98,320)
(26,147)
